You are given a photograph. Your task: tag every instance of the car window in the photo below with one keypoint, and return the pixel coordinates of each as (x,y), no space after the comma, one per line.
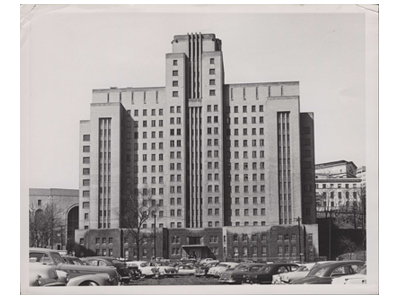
(57,258)
(282,270)
(94,262)
(355,269)
(222,265)
(266,269)
(293,268)
(42,258)
(77,262)
(339,271)
(102,263)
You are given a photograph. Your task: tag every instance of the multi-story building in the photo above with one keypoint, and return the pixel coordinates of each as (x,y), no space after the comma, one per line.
(234,157)
(64,205)
(362,173)
(336,185)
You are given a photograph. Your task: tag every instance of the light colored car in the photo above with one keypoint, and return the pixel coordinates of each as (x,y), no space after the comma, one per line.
(146,268)
(359,278)
(221,268)
(186,270)
(165,269)
(98,279)
(44,275)
(53,258)
(301,272)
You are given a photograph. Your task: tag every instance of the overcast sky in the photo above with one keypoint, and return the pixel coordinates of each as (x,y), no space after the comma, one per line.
(69,51)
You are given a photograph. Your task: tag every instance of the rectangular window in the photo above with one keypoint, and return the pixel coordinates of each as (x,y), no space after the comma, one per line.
(212,92)
(212,71)
(175,94)
(212,81)
(175,73)
(86,137)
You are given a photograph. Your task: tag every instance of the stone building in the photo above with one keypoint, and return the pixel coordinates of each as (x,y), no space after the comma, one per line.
(66,202)
(216,157)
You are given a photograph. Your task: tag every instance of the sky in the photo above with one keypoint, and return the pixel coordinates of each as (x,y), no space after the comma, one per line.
(66,51)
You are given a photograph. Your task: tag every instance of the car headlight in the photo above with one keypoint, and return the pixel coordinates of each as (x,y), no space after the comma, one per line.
(67,278)
(39,280)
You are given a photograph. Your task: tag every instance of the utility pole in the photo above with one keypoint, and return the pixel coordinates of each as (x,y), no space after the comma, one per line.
(298,225)
(155,235)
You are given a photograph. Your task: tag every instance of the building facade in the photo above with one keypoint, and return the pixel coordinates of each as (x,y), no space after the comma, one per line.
(212,155)
(337,185)
(65,203)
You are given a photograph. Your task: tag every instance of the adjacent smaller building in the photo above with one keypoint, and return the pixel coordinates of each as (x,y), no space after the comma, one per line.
(65,203)
(336,185)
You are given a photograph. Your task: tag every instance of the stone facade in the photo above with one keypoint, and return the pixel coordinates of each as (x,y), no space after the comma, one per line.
(213,155)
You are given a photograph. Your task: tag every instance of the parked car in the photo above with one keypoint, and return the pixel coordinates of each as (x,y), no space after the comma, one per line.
(109,261)
(301,272)
(359,278)
(324,273)
(186,270)
(269,273)
(133,268)
(54,259)
(226,276)
(207,260)
(43,275)
(217,270)
(203,270)
(240,274)
(165,269)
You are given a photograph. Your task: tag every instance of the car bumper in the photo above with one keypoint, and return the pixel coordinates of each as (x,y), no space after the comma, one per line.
(57,283)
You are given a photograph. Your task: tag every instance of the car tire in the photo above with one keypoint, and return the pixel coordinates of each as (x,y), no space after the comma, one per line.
(89,283)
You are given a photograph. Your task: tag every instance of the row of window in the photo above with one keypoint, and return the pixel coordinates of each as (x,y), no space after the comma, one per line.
(245,154)
(246,200)
(246,166)
(172,109)
(332,185)
(245,251)
(104,240)
(339,194)
(246,212)
(245,131)
(244,109)
(253,120)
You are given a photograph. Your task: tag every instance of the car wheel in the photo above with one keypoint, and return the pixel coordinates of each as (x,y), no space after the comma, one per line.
(89,283)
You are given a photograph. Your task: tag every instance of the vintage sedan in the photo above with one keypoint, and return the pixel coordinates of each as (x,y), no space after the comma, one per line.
(44,275)
(301,272)
(227,275)
(202,270)
(164,269)
(109,261)
(186,270)
(146,268)
(221,268)
(54,259)
(240,274)
(326,272)
(269,273)
(359,278)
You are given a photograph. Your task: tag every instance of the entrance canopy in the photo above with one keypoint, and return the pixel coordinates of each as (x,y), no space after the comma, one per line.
(198,251)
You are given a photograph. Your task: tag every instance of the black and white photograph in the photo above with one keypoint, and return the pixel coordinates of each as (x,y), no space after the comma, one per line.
(199,149)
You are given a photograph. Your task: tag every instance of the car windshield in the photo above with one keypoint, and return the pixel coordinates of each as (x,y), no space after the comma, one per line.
(317,271)
(266,269)
(77,261)
(362,270)
(57,258)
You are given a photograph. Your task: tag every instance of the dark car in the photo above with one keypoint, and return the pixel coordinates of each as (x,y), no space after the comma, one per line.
(109,261)
(54,259)
(241,272)
(326,272)
(265,275)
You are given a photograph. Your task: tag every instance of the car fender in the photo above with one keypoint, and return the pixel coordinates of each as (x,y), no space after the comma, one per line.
(99,279)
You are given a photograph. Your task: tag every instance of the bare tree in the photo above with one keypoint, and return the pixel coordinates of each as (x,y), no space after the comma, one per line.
(138,207)
(44,224)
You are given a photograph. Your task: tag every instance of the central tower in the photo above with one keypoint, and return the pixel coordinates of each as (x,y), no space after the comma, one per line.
(203,77)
